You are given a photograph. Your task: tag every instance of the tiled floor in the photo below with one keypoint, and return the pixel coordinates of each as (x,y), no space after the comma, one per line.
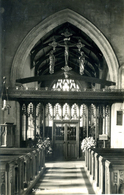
(68,177)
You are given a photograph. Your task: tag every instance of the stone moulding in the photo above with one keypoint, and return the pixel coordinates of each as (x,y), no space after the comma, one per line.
(49,24)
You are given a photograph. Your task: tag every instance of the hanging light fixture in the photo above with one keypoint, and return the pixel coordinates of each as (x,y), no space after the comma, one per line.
(6,106)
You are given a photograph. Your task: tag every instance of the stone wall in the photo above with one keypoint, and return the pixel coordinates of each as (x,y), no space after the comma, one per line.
(20,17)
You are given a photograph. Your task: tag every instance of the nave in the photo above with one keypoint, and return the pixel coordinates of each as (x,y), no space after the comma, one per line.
(64,177)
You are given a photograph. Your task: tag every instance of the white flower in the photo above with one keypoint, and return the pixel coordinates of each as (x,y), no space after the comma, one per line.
(87,143)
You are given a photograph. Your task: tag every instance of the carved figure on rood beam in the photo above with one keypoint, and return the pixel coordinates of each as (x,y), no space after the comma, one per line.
(81,63)
(52,62)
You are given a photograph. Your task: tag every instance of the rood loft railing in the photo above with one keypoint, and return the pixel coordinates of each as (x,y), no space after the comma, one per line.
(11,89)
(111,95)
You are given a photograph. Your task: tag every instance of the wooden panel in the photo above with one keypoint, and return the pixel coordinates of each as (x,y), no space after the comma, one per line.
(7,135)
(66,139)
(74,77)
(48,95)
(59,150)
(71,150)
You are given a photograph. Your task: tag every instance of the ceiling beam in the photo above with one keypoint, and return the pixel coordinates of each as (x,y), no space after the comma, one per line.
(74,77)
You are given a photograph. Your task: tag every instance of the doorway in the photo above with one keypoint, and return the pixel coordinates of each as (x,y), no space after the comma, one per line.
(66,139)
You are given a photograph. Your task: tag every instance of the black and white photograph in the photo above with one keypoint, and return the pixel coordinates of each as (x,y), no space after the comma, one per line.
(61,97)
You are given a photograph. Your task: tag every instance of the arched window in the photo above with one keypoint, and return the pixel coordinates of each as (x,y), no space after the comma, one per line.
(66,85)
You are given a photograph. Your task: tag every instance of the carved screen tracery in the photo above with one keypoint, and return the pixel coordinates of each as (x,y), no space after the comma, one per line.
(57,112)
(38,118)
(108,120)
(24,122)
(31,127)
(90,116)
(49,115)
(66,112)
(75,112)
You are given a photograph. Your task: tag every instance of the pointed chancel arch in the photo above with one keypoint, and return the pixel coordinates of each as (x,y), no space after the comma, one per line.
(49,24)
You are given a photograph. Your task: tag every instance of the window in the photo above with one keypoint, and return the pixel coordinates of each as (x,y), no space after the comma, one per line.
(66,85)
(119,117)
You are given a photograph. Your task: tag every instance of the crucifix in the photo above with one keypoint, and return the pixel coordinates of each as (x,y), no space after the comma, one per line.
(66,68)
(79,45)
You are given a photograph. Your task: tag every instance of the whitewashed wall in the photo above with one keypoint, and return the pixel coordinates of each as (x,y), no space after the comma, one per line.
(117,131)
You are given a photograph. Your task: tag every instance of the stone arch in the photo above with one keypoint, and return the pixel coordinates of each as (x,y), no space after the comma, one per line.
(49,24)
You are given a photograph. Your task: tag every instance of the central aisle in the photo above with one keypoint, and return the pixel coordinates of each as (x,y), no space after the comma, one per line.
(67,177)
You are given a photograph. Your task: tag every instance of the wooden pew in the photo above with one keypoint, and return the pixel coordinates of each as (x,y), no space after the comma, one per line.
(20,168)
(112,170)
(94,158)
(91,152)
(13,171)
(100,166)
(102,160)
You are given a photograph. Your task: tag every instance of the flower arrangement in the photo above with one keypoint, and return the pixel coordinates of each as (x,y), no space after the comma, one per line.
(47,145)
(88,142)
(44,144)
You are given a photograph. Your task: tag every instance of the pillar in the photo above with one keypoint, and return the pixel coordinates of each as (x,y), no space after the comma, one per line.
(87,119)
(44,121)
(104,121)
(34,112)
(97,123)
(121,77)
(1,64)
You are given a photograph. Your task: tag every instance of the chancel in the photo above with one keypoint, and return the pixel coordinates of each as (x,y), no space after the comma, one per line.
(62,97)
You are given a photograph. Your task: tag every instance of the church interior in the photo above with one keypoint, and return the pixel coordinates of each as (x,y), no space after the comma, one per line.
(61,85)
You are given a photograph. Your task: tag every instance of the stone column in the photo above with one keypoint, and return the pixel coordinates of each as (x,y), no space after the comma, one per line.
(97,123)
(34,112)
(44,122)
(87,120)
(104,126)
(61,111)
(26,120)
(17,130)
(1,64)
(121,77)
(100,119)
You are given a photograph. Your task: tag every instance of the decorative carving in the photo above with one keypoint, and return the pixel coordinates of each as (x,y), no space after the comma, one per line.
(2,177)
(66,33)
(52,62)
(115,177)
(66,68)
(81,63)
(11,175)
(75,111)
(53,44)
(79,45)
(121,175)
(121,182)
